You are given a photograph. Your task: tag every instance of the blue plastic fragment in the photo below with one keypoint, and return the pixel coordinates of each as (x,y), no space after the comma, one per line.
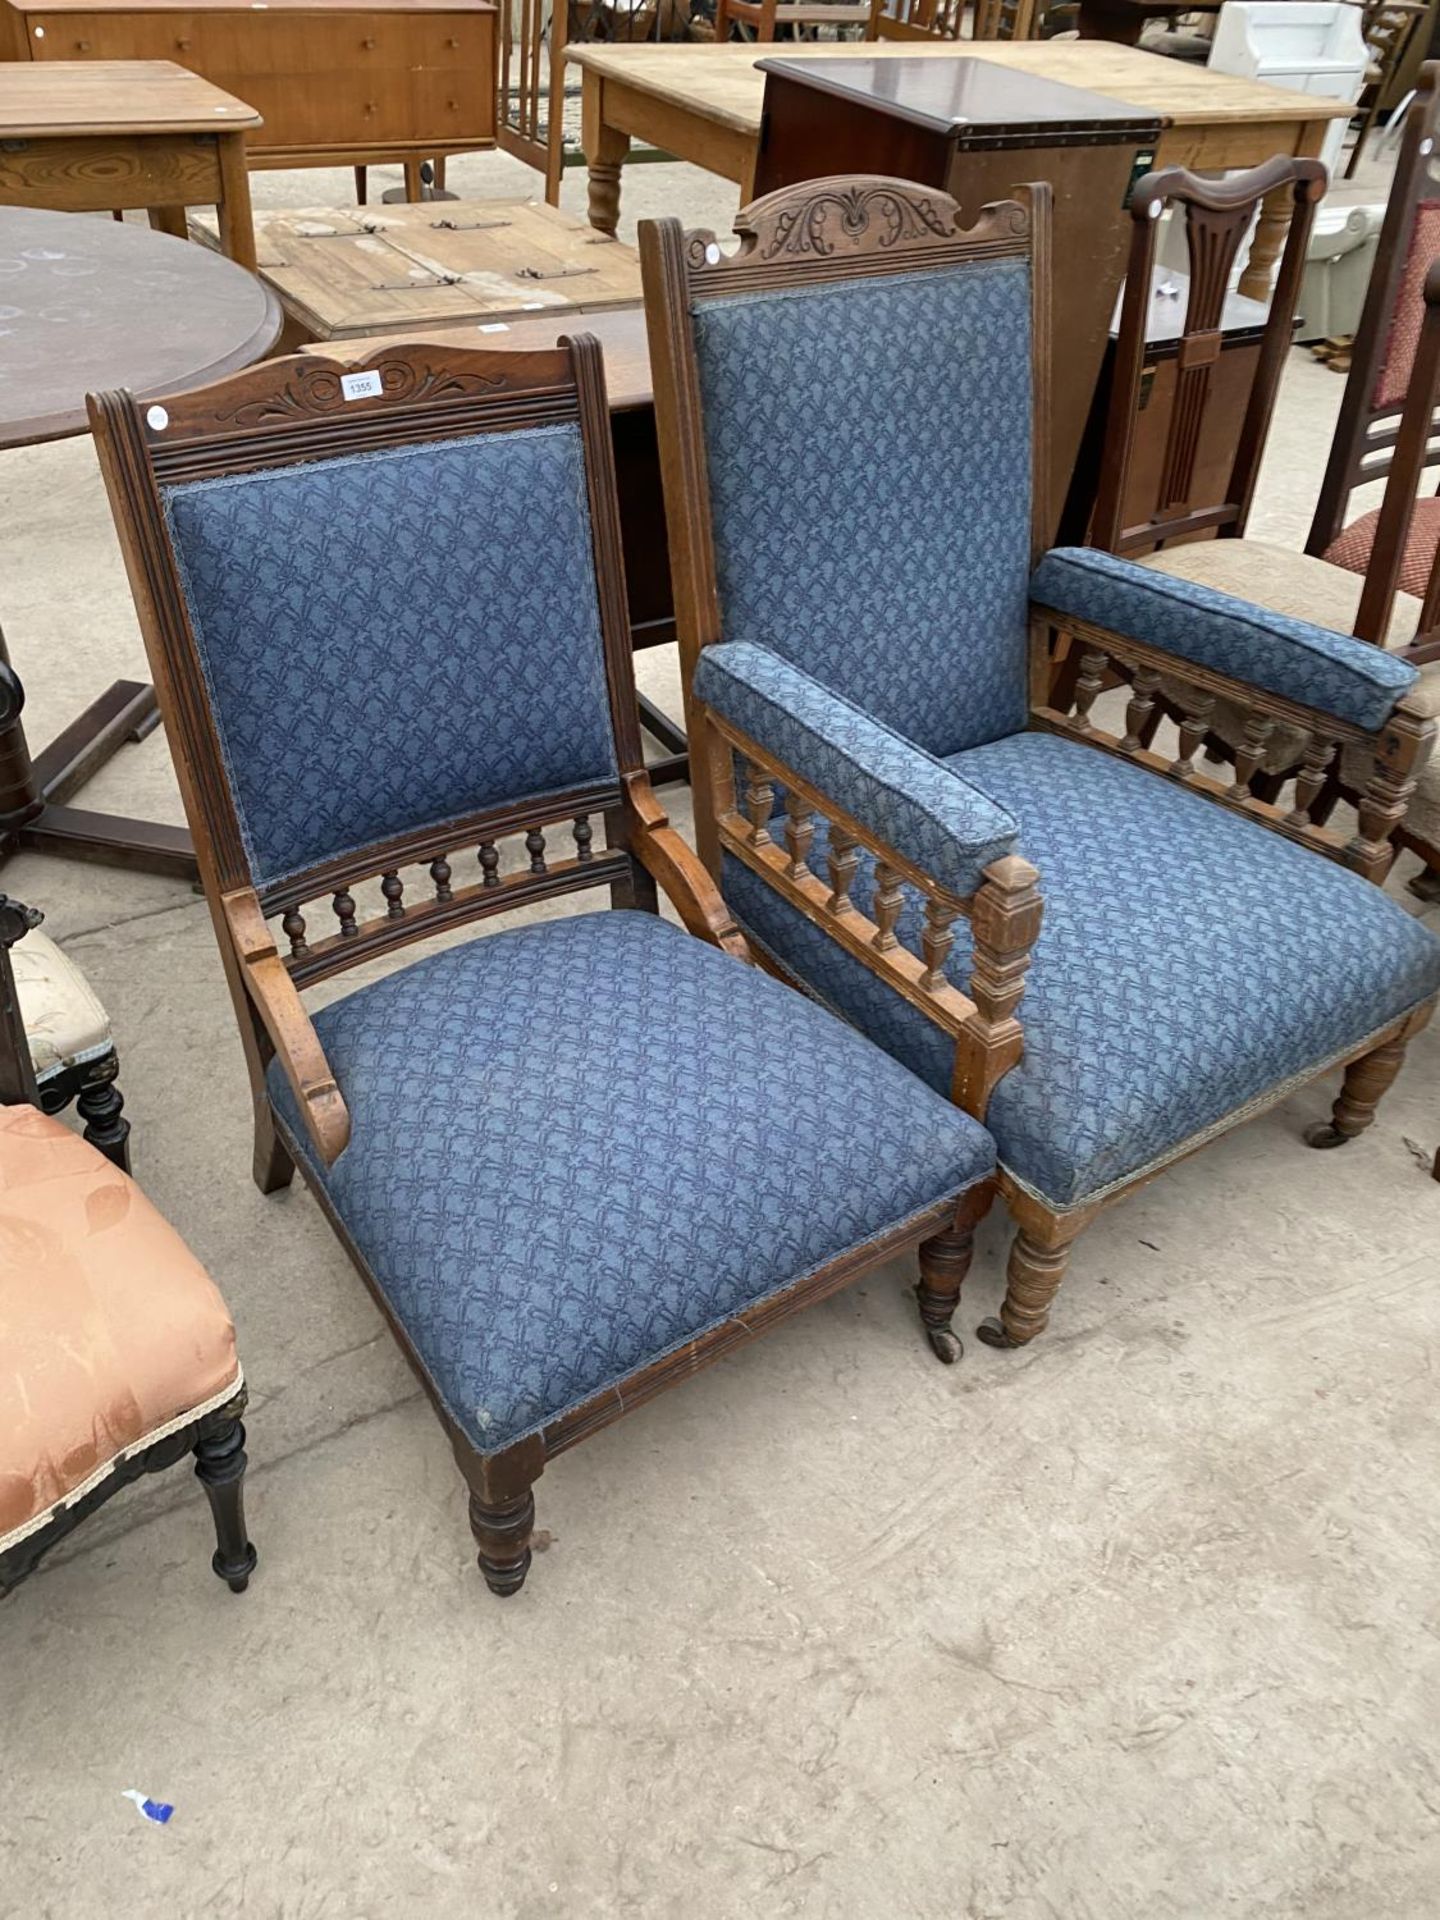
(157,1810)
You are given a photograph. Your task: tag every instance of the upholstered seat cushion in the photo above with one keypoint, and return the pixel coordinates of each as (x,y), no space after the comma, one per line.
(65,1023)
(1351,547)
(111,1332)
(577,1145)
(1190,963)
(1284,580)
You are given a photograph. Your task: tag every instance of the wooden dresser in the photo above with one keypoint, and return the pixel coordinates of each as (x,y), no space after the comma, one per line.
(336,83)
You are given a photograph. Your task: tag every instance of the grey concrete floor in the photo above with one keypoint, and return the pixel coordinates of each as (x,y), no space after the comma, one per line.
(1141,1622)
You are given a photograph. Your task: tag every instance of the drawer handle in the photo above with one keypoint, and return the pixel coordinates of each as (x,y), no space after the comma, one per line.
(82,46)
(368,45)
(182,46)
(452,44)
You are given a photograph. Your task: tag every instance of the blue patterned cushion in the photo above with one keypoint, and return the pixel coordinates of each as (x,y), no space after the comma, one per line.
(868,449)
(394,639)
(1190,962)
(914,802)
(563,1160)
(1331,672)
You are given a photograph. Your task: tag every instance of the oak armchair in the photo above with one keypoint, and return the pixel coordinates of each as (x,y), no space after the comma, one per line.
(1107,953)
(577,1160)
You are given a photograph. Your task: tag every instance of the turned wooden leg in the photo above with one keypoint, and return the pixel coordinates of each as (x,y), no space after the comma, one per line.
(102,1109)
(1366,1082)
(944,1263)
(502,1532)
(605,149)
(220,1468)
(1037,1266)
(273,1167)
(1271,227)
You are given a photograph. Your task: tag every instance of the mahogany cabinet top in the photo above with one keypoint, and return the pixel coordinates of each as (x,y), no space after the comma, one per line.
(973,102)
(113,96)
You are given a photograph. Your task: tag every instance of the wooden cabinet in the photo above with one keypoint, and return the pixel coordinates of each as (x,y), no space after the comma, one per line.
(977,130)
(335,83)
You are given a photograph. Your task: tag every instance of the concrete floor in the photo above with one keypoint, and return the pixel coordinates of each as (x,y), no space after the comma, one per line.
(1138,1623)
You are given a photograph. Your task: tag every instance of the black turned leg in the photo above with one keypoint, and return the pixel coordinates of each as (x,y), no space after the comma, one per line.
(220,1468)
(502,1533)
(102,1109)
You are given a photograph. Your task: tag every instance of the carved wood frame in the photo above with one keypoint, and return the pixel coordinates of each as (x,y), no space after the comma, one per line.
(812,234)
(849,227)
(294,410)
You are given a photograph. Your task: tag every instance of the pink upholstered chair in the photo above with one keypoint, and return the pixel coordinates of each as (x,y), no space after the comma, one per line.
(117,1354)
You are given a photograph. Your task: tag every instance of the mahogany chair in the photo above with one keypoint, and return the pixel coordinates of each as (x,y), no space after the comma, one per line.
(1388,615)
(119,1354)
(763,17)
(577,1160)
(1383,358)
(852,411)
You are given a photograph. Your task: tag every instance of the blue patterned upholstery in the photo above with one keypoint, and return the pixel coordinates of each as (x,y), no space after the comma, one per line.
(1190,962)
(394,639)
(577,1145)
(868,448)
(912,801)
(1331,672)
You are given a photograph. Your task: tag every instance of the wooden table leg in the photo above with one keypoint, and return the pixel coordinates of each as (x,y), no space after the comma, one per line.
(30,790)
(1273,222)
(169,220)
(605,150)
(237,226)
(414,185)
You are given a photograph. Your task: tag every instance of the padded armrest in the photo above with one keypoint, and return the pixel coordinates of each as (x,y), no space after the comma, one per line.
(1331,672)
(903,795)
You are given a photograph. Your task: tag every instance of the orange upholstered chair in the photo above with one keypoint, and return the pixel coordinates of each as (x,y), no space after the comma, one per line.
(117,1354)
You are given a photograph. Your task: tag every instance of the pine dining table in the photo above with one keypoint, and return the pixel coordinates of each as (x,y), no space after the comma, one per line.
(704,104)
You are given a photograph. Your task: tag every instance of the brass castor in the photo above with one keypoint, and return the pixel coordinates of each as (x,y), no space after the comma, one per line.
(992,1332)
(1325,1133)
(945,1343)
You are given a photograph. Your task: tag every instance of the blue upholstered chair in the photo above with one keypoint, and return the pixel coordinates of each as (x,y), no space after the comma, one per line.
(579,1159)
(850,409)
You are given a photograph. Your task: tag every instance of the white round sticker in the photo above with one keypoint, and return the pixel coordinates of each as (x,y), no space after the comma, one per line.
(712,255)
(157,418)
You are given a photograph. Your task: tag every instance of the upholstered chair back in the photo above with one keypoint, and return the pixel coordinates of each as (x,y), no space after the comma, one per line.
(396,638)
(868,445)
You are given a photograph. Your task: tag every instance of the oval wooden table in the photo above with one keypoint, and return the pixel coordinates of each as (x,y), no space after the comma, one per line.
(88,303)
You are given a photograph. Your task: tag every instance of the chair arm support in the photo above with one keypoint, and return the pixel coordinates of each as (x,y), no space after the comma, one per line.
(903,795)
(1331,673)
(679,872)
(277,1001)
